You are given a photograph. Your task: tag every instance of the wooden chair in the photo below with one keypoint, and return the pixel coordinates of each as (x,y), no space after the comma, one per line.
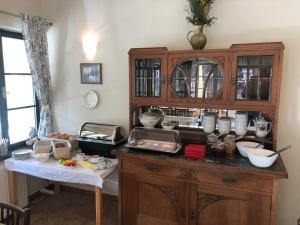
(13,215)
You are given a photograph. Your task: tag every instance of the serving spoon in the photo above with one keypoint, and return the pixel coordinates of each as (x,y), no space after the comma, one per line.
(280,150)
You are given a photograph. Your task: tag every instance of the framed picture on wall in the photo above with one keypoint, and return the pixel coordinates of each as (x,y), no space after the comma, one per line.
(91,73)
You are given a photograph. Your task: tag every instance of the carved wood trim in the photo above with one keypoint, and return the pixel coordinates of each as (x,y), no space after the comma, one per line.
(220,59)
(175,61)
(205,199)
(169,192)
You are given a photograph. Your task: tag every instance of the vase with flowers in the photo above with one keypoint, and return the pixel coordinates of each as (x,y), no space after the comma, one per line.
(198,15)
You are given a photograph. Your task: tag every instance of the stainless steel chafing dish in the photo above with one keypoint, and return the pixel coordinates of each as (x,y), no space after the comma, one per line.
(100,139)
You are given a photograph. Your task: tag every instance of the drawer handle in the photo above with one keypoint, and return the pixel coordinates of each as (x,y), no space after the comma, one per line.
(181,213)
(229,180)
(193,215)
(153,168)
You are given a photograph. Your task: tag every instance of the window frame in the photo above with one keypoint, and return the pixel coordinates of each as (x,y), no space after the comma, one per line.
(4,132)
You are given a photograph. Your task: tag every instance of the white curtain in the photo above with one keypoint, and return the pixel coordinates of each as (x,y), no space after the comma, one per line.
(34,32)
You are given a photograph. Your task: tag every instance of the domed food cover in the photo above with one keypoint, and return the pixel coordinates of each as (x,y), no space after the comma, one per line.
(154,139)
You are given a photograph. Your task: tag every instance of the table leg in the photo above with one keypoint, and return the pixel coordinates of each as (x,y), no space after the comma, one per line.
(56,188)
(12,184)
(98,197)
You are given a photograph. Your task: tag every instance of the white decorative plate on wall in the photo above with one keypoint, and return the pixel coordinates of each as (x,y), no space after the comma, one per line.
(90,99)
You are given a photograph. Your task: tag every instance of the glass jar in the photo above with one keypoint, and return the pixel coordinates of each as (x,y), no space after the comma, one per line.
(230,145)
(211,140)
(218,149)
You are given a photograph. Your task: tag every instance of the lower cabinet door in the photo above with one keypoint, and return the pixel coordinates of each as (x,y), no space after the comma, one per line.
(222,206)
(153,201)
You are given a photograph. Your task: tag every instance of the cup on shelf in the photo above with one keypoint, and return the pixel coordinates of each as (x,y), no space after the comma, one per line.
(224,125)
(241,122)
(209,123)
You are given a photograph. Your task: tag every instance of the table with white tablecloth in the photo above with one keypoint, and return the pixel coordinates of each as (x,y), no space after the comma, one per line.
(53,170)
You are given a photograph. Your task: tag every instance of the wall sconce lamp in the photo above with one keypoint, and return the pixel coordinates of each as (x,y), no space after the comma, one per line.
(89,45)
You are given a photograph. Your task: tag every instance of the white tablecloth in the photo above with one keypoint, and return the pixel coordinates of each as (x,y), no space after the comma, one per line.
(52,170)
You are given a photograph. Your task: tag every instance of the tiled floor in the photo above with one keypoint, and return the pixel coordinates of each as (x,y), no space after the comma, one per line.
(71,207)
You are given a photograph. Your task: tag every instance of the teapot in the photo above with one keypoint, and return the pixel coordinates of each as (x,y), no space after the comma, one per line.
(261,127)
(151,118)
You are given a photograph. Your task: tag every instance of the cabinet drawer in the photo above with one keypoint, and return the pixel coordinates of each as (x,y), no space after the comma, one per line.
(154,169)
(233,179)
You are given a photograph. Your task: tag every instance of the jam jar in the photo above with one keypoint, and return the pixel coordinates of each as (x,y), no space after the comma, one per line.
(211,140)
(218,149)
(230,146)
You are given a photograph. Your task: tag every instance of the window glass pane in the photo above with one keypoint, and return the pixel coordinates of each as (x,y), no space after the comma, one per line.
(19,91)
(14,54)
(19,123)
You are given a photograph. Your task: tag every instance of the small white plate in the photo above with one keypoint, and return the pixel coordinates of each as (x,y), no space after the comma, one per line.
(105,164)
(22,152)
(95,160)
(90,99)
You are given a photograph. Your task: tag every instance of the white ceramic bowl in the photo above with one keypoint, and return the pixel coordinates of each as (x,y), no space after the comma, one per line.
(149,121)
(258,157)
(42,147)
(41,157)
(243,147)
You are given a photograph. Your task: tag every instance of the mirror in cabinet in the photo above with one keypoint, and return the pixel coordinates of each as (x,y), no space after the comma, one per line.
(195,119)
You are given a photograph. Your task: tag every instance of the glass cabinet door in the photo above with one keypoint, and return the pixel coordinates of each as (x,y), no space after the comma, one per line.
(197,79)
(148,77)
(254,78)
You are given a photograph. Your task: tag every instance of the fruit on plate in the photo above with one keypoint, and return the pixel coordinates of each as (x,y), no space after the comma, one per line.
(87,165)
(68,162)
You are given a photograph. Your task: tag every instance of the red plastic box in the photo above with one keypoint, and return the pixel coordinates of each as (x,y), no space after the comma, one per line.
(195,151)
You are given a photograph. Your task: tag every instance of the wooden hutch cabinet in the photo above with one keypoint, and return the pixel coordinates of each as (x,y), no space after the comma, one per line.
(174,190)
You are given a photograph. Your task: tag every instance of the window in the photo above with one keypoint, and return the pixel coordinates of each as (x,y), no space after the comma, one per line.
(18,105)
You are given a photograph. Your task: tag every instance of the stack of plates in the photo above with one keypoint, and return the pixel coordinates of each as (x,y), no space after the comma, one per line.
(21,154)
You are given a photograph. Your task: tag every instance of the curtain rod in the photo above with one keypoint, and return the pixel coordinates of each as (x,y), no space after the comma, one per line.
(16,15)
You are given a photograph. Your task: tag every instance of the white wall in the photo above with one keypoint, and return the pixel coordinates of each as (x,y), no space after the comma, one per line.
(17,7)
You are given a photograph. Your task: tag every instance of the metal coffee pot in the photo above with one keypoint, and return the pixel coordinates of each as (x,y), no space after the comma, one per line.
(261,127)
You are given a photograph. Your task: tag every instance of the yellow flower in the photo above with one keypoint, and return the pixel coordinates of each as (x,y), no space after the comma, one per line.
(202,2)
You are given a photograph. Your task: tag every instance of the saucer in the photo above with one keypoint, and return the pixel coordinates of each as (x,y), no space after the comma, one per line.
(95,159)
(105,164)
